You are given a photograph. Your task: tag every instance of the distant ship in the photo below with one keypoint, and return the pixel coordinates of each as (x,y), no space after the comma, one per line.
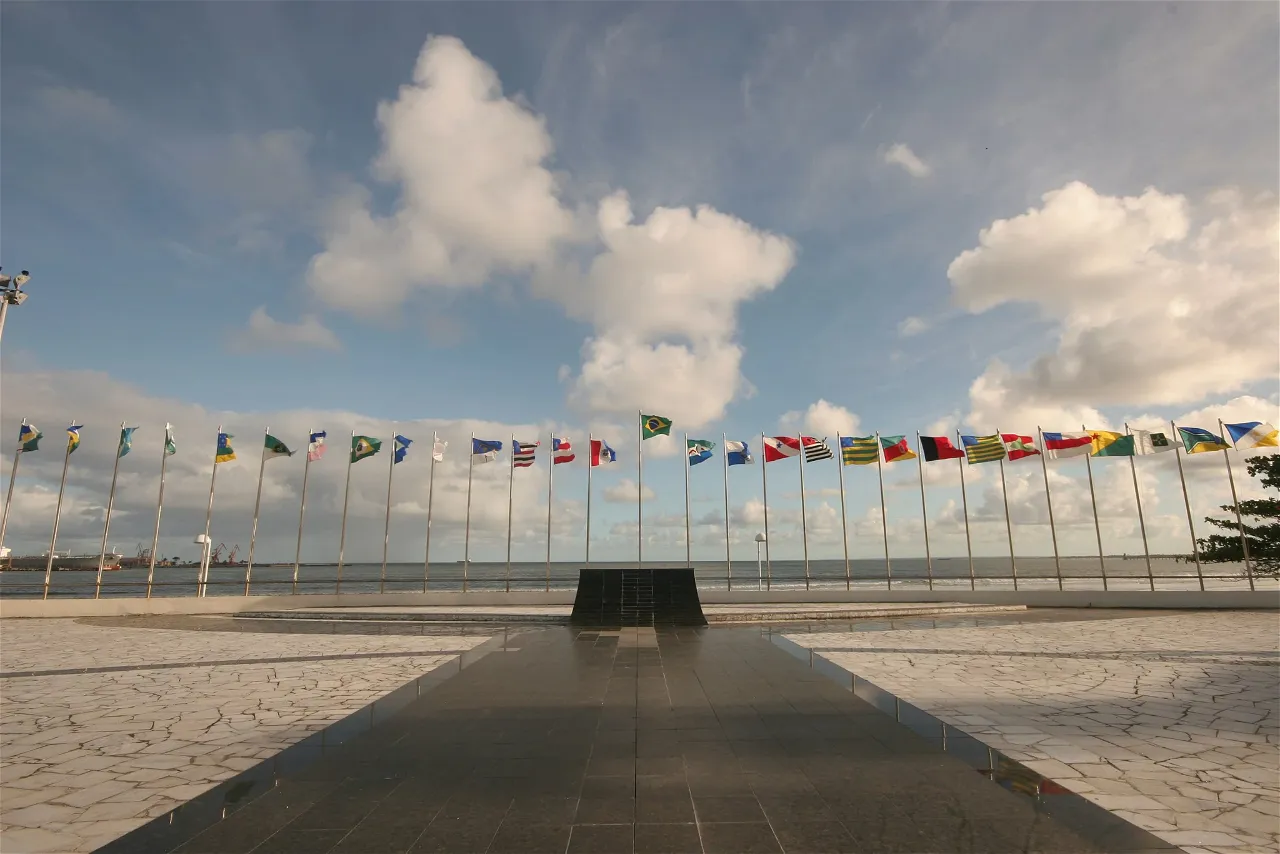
(110,561)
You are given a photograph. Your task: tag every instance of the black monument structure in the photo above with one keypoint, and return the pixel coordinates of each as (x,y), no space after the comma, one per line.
(637,596)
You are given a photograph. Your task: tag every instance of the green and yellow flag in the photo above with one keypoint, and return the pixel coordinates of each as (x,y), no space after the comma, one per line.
(983,449)
(225,452)
(1108,443)
(654,425)
(29,438)
(364,446)
(859,450)
(73,438)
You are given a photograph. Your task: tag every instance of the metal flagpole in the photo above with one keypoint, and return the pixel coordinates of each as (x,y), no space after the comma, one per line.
(257,504)
(963,460)
(208,521)
(106,524)
(1008,520)
(590,465)
(764,480)
(639,488)
(551,468)
(431,488)
(386,525)
(57,514)
(302,511)
(1235,500)
(1097,526)
(924,512)
(466,535)
(13,474)
(844,516)
(155,536)
(346,497)
(1044,466)
(511,497)
(804,518)
(1186,499)
(688,537)
(728,552)
(1142,522)
(884,514)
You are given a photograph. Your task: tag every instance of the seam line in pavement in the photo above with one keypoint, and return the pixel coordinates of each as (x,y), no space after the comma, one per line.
(75,671)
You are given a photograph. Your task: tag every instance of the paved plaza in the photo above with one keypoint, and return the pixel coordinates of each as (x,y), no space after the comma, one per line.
(1171,722)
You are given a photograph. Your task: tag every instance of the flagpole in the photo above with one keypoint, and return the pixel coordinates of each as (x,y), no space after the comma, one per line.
(386,525)
(155,536)
(1008,520)
(346,498)
(13,474)
(924,511)
(884,514)
(1186,500)
(257,505)
(57,514)
(431,488)
(551,468)
(728,552)
(844,516)
(106,524)
(466,536)
(511,496)
(963,460)
(764,480)
(1093,498)
(639,488)
(1235,500)
(208,521)
(302,511)
(688,541)
(1044,466)
(1142,523)
(590,465)
(804,517)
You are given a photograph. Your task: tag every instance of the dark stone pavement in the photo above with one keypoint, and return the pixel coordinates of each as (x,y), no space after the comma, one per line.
(679,740)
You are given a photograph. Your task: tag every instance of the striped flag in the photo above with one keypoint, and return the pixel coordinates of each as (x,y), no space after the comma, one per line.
(522,454)
(561,451)
(816,449)
(1059,446)
(858,450)
(983,449)
(1019,446)
(939,448)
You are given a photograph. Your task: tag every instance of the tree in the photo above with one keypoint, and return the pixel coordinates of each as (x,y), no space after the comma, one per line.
(1264,537)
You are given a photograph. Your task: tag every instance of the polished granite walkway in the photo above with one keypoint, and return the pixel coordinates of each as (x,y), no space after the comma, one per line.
(707,740)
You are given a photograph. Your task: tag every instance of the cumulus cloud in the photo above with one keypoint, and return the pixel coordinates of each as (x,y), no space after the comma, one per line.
(265,332)
(912,326)
(821,419)
(900,154)
(624,492)
(1148,309)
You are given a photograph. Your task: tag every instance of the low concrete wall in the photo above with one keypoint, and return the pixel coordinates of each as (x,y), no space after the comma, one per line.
(1160,599)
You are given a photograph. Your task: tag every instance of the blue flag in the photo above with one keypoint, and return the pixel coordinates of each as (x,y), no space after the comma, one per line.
(484,450)
(738,453)
(126,441)
(402,447)
(699,450)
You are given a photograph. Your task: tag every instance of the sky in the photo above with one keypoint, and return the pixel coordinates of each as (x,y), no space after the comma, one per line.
(758,218)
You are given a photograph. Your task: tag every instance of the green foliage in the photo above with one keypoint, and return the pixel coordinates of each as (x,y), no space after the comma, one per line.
(1261,524)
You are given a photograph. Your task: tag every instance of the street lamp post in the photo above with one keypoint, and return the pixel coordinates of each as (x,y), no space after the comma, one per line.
(760,540)
(11,293)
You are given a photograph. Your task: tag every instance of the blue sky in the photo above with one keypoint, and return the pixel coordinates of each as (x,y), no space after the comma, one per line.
(181,173)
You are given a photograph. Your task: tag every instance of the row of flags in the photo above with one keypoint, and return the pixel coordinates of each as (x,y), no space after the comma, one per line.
(854,450)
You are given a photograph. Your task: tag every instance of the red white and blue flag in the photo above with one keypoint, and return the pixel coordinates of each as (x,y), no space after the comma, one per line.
(601,453)
(561,451)
(780,447)
(1061,445)
(522,454)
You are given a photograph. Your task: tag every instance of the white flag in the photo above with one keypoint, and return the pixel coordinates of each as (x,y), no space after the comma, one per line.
(1145,442)
(437,451)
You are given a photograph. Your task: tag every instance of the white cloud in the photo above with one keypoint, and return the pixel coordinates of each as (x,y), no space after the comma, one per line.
(912,326)
(624,492)
(900,154)
(81,107)
(265,332)
(1148,310)
(822,419)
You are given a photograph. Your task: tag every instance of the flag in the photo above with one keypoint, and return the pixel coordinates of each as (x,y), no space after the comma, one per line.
(316,446)
(73,438)
(1059,446)
(780,447)
(896,448)
(1107,443)
(561,451)
(1145,442)
(601,453)
(816,449)
(170,446)
(401,445)
(1019,446)
(437,450)
(983,449)
(224,453)
(273,447)
(484,451)
(858,450)
(1197,440)
(937,448)
(364,446)
(1254,434)
(738,453)
(29,438)
(522,454)
(126,441)
(699,450)
(654,425)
